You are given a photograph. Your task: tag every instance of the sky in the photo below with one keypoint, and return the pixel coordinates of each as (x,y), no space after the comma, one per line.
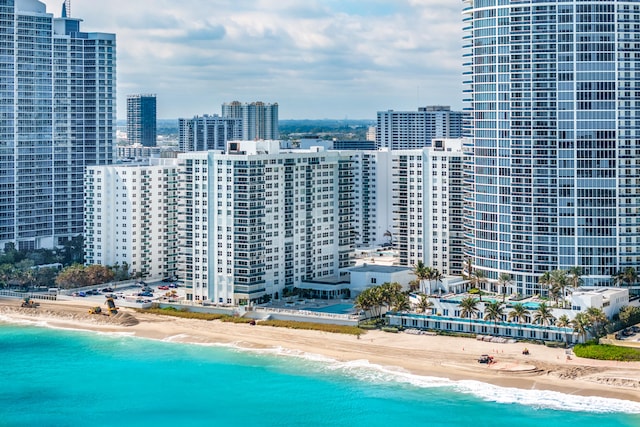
(336,59)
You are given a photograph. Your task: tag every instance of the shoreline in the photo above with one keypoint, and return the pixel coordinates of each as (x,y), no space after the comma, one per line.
(451,358)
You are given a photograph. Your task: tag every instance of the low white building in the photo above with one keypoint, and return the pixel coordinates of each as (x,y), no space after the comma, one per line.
(370,275)
(445,315)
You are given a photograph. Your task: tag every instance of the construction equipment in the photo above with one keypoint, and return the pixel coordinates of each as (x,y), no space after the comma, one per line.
(29,303)
(110,311)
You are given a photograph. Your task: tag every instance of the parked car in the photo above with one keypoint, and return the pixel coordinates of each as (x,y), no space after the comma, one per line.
(163,288)
(145,294)
(107,290)
(173,285)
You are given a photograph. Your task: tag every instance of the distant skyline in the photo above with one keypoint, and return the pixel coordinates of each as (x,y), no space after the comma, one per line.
(316,58)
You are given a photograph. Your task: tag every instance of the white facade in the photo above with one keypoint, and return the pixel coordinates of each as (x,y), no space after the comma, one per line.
(208,132)
(258,219)
(259,120)
(131,217)
(409,130)
(609,300)
(413,199)
(367,276)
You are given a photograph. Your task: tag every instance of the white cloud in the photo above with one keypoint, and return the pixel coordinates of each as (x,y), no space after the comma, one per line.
(316,58)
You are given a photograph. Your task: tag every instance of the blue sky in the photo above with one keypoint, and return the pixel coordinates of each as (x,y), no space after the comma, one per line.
(316,59)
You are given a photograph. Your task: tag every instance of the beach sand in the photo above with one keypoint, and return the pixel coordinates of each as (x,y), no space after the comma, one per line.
(438,356)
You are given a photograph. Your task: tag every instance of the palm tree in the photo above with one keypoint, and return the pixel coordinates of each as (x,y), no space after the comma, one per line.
(581,325)
(414,285)
(545,280)
(493,311)
(518,313)
(628,276)
(436,276)
(478,277)
(559,282)
(504,281)
(423,304)
(597,318)
(543,315)
(564,322)
(400,303)
(421,273)
(468,307)
(575,277)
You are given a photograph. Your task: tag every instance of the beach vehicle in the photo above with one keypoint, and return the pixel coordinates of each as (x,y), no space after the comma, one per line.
(485,358)
(29,303)
(111,308)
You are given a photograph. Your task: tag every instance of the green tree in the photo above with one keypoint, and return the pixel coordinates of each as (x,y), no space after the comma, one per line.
(504,283)
(73,276)
(493,311)
(518,313)
(543,315)
(468,307)
(597,319)
(564,322)
(423,304)
(400,302)
(97,274)
(581,325)
(422,273)
(575,277)
(627,277)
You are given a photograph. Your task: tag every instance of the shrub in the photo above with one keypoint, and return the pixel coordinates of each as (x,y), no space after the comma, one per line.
(170,311)
(236,319)
(390,329)
(368,327)
(592,350)
(324,327)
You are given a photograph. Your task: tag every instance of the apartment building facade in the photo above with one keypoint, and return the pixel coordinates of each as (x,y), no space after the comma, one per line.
(258,219)
(58,117)
(131,217)
(202,133)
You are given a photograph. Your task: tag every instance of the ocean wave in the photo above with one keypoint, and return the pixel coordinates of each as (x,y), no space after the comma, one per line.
(540,399)
(363,370)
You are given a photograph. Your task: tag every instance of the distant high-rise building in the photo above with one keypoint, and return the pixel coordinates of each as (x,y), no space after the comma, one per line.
(141,120)
(556,138)
(58,117)
(409,130)
(259,120)
(203,133)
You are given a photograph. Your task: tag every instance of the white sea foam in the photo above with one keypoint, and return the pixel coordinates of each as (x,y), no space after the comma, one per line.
(363,370)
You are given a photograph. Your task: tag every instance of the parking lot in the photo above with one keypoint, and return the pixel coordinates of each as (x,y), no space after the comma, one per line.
(136,293)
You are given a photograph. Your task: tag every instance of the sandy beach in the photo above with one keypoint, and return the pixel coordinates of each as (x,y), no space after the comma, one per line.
(439,356)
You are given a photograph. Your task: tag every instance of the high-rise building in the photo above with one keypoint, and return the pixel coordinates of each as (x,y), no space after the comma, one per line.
(412,200)
(57,103)
(257,220)
(555,136)
(208,132)
(130,217)
(141,120)
(410,130)
(259,120)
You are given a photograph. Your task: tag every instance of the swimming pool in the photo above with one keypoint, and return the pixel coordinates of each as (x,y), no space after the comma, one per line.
(531,305)
(334,309)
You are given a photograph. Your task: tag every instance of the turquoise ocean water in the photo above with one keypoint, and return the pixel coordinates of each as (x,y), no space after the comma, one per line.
(54,377)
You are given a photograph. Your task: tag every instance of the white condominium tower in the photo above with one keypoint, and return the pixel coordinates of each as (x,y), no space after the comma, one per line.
(259,120)
(130,217)
(409,130)
(556,137)
(208,132)
(413,200)
(257,220)
(57,116)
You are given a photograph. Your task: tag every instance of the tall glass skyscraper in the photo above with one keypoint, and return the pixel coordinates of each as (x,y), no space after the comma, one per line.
(142,120)
(57,115)
(555,95)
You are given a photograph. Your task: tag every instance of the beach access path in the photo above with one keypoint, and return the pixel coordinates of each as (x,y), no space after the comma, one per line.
(428,355)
